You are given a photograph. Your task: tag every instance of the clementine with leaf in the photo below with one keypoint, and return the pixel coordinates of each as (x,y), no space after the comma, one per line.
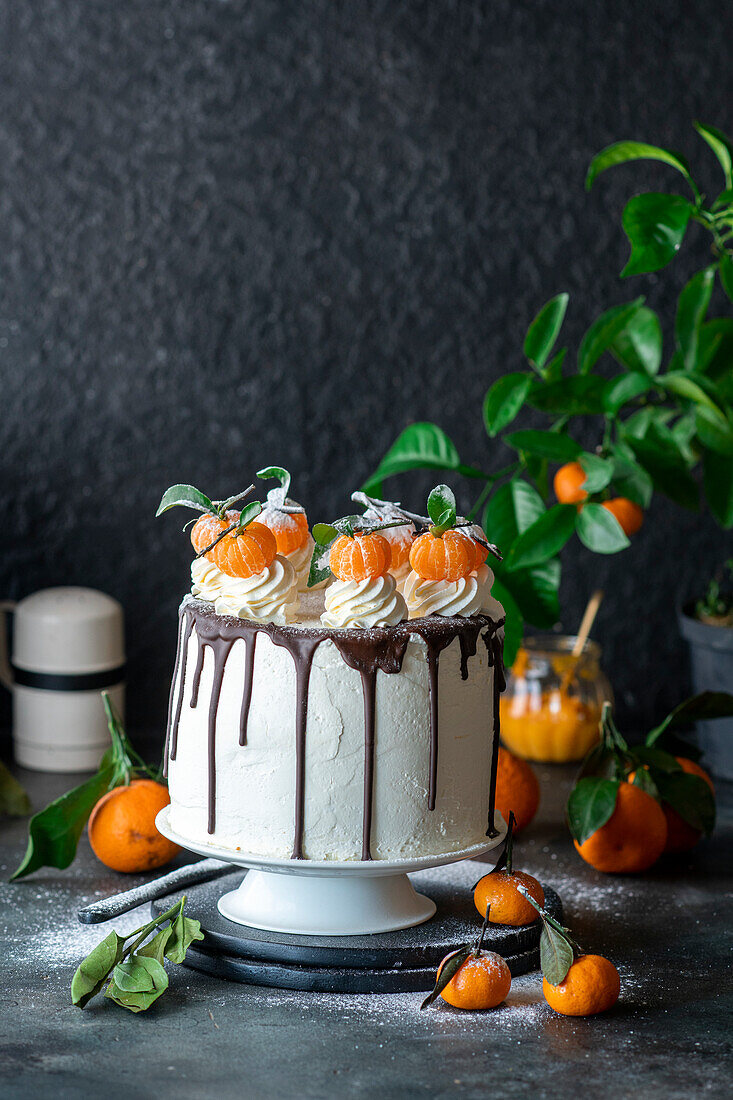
(122,829)
(629,515)
(246,552)
(567,483)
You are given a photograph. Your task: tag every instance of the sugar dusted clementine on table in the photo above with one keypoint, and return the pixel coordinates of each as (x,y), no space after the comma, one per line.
(122,830)
(592,985)
(482,982)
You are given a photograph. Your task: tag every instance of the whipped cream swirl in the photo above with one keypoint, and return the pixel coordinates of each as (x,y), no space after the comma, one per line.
(465,597)
(206,579)
(300,560)
(372,602)
(268,597)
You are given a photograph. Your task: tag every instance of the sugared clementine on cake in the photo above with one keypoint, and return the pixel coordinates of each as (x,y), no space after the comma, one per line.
(359,556)
(246,552)
(285,518)
(207,529)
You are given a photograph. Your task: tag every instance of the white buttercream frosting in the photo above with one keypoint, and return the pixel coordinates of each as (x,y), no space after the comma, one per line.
(371,602)
(400,574)
(465,597)
(268,597)
(206,579)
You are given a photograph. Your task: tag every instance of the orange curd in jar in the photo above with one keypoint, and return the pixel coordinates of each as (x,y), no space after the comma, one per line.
(552,706)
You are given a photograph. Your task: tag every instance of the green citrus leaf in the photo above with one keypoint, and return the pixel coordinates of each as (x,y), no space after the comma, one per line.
(591,804)
(324,533)
(93,972)
(536,592)
(53,833)
(725,271)
(514,626)
(631,480)
(639,344)
(621,152)
(574,396)
(510,510)
(602,333)
(680,383)
(504,400)
(278,472)
(420,446)
(184,496)
(556,955)
(599,530)
(544,330)
(599,472)
(699,708)
(655,224)
(442,506)
(137,983)
(544,444)
(544,539)
(692,306)
(718,482)
(183,932)
(667,470)
(721,145)
(624,388)
(714,432)
(690,796)
(450,969)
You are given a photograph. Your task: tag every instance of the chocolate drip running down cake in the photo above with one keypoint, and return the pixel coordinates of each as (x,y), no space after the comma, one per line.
(334,744)
(355,721)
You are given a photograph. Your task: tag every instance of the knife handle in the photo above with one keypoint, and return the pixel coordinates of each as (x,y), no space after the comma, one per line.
(202,871)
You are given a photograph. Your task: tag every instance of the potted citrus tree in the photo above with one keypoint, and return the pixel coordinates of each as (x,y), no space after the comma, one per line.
(663,409)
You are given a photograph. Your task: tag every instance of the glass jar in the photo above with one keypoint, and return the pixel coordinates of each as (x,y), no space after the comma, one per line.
(552,705)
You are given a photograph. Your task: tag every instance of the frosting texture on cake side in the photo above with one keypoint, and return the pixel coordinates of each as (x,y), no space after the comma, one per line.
(323,742)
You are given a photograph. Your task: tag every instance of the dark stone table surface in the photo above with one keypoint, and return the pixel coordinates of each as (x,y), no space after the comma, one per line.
(669,1035)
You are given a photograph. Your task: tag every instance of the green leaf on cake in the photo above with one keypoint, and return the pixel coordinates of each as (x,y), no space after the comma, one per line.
(249,512)
(184,496)
(442,507)
(278,472)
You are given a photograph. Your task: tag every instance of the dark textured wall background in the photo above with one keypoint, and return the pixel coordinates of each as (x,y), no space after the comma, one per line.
(236,233)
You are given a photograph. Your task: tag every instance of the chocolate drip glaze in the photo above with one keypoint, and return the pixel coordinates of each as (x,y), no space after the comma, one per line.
(496,661)
(249,664)
(181,658)
(366,651)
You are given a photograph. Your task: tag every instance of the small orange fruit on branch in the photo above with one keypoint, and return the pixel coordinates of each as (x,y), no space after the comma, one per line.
(499,890)
(471,978)
(629,515)
(568,482)
(573,984)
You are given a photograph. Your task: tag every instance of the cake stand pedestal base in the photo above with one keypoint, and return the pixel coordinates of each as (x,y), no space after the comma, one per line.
(324,905)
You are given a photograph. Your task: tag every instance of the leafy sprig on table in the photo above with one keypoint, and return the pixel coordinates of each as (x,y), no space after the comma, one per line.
(656,427)
(54,832)
(135,971)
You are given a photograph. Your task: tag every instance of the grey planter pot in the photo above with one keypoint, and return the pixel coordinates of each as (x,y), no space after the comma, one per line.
(711,653)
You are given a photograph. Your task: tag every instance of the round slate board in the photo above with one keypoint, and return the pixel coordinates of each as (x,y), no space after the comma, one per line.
(387,962)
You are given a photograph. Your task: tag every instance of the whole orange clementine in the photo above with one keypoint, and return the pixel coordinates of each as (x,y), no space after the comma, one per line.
(632,839)
(482,982)
(499,890)
(567,483)
(592,985)
(517,789)
(122,829)
(629,515)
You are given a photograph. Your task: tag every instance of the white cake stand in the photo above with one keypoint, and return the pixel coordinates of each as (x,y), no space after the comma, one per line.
(327,898)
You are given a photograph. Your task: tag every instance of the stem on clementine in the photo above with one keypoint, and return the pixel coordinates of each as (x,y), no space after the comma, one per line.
(484,926)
